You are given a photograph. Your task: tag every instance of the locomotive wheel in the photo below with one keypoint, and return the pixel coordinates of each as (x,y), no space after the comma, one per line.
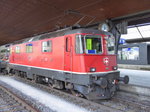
(17,73)
(34,78)
(12,72)
(37,79)
(112,94)
(50,85)
(75,93)
(5,72)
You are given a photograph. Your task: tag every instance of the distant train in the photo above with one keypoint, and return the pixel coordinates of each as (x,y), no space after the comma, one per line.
(81,60)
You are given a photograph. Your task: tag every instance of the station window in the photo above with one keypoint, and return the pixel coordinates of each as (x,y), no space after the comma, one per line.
(29,48)
(47,46)
(130,53)
(17,49)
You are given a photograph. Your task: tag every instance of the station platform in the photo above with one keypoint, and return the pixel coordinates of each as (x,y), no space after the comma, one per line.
(137,77)
(134,67)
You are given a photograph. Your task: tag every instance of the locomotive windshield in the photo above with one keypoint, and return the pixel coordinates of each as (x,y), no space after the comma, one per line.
(93,44)
(89,44)
(110,40)
(79,44)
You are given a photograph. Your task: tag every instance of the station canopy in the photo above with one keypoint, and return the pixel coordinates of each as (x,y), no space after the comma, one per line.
(137,33)
(24,18)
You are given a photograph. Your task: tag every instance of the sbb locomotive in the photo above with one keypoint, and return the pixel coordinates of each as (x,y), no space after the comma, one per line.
(81,60)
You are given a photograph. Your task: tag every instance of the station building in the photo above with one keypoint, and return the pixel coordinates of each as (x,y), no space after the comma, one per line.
(133,48)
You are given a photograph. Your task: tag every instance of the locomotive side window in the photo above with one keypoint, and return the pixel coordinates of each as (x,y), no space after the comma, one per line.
(110,41)
(29,48)
(17,49)
(93,44)
(47,46)
(68,44)
(79,44)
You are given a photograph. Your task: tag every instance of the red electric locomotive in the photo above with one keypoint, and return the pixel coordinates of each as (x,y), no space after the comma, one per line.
(82,60)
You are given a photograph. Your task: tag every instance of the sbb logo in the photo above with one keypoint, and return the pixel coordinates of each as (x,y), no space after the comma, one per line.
(106,61)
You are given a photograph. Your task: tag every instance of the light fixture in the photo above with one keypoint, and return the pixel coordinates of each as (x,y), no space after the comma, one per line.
(103,27)
(115,67)
(92,69)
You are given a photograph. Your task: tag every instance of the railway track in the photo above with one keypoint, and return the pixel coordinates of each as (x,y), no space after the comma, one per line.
(122,102)
(142,105)
(89,105)
(129,102)
(9,102)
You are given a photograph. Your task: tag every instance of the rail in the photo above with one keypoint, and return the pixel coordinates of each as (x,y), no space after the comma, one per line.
(10,102)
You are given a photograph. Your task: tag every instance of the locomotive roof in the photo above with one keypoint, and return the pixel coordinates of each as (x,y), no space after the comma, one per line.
(86,30)
(62,32)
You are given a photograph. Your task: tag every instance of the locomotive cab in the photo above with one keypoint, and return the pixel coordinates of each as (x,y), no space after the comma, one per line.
(96,57)
(98,52)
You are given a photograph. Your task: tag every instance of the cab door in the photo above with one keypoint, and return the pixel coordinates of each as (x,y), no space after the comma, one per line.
(68,54)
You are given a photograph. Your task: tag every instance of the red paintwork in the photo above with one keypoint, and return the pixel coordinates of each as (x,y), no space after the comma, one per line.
(60,59)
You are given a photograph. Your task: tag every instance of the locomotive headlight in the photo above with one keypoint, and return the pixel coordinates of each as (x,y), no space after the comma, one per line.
(115,67)
(92,69)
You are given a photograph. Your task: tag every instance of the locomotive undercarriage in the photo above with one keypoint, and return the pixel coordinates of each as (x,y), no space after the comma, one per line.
(103,86)
(94,86)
